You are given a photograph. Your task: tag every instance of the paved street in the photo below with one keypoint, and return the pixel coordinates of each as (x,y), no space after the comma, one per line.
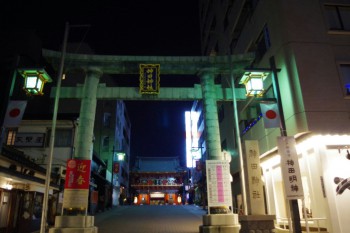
(150,219)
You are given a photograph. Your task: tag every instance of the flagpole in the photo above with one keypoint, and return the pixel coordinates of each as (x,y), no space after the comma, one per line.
(7,101)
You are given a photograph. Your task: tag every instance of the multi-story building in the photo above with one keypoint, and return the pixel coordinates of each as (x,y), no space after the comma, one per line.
(196,152)
(112,144)
(309,43)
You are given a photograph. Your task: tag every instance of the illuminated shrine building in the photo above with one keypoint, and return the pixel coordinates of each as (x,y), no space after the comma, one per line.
(157,181)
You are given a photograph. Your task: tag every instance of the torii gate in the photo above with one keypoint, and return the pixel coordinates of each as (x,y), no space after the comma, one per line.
(206,67)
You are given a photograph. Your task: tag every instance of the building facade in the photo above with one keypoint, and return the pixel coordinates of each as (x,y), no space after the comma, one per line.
(158,181)
(197,150)
(112,131)
(309,45)
(24,159)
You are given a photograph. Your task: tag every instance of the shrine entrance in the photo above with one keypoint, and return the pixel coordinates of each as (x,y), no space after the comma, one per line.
(149,68)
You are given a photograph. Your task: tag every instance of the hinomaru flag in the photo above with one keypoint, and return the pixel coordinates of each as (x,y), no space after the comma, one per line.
(270,114)
(14,113)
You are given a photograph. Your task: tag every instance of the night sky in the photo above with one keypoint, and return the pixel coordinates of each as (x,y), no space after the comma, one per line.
(139,27)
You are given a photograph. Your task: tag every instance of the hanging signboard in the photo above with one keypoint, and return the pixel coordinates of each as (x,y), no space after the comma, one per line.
(290,168)
(29,139)
(149,78)
(218,183)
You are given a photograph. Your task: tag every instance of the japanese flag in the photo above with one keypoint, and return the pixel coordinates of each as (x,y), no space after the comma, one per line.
(271,115)
(14,113)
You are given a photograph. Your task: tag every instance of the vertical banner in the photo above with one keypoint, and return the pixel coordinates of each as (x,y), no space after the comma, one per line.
(199,165)
(116,167)
(76,189)
(78,174)
(218,183)
(270,114)
(290,168)
(149,78)
(255,194)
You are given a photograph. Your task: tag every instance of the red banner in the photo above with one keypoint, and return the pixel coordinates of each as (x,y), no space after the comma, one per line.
(78,174)
(116,167)
(199,165)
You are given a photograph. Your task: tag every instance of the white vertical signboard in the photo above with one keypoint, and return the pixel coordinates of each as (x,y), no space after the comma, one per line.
(290,168)
(255,186)
(218,183)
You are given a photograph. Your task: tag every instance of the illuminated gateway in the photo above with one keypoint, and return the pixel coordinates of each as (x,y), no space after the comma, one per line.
(157,181)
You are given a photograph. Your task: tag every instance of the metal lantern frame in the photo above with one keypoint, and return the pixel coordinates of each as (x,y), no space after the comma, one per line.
(254,82)
(34,80)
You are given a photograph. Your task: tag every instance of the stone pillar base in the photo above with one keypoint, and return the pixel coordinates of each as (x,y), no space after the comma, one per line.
(220,223)
(74,224)
(219,229)
(257,223)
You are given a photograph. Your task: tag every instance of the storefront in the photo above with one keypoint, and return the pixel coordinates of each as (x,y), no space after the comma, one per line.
(324,161)
(21,193)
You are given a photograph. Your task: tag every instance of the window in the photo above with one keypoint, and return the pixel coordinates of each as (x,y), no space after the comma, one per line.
(63,138)
(221,113)
(107,119)
(338,17)
(261,45)
(11,136)
(105,143)
(345,77)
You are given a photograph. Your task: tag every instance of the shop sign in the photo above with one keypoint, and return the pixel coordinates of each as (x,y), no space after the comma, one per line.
(29,139)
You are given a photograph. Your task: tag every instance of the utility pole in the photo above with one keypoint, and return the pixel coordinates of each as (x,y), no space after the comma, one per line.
(293,204)
(53,131)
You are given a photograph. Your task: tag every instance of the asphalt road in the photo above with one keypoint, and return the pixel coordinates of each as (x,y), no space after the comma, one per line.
(150,219)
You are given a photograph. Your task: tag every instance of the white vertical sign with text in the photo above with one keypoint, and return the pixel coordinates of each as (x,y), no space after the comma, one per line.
(290,168)
(218,183)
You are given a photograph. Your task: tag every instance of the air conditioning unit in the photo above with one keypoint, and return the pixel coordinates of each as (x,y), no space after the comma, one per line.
(63,172)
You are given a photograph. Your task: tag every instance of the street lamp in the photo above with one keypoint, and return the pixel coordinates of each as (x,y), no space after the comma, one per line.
(120,155)
(34,80)
(253,79)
